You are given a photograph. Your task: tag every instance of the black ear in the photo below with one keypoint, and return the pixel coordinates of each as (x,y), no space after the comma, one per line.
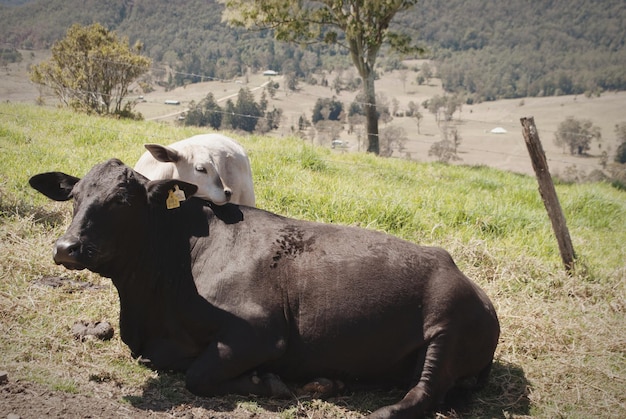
(55,185)
(162,153)
(159,190)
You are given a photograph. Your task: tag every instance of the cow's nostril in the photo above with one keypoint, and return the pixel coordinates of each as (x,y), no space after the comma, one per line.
(66,250)
(228,192)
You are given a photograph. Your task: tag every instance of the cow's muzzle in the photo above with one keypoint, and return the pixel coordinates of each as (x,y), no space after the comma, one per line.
(66,252)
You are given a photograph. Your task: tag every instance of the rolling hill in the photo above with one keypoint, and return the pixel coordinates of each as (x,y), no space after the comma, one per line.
(484,49)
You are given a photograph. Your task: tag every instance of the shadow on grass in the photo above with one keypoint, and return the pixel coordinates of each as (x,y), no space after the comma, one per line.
(11,206)
(506,394)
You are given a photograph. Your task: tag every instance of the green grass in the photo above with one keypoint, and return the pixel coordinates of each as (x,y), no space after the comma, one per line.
(562,351)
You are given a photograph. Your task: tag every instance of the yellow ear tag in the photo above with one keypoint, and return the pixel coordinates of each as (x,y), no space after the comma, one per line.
(172,201)
(179,193)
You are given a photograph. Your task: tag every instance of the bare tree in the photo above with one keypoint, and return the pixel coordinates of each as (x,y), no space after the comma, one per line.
(446,149)
(392,138)
(415,113)
(426,72)
(327,131)
(403,75)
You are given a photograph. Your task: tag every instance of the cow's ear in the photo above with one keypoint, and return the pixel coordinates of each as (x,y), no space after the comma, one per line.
(163,192)
(55,185)
(162,153)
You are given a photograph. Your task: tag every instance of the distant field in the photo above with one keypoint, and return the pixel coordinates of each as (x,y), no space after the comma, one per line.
(474,122)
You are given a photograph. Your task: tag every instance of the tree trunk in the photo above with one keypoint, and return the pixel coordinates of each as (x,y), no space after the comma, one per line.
(371,116)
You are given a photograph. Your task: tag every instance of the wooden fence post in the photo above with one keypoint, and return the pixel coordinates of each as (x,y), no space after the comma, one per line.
(548,192)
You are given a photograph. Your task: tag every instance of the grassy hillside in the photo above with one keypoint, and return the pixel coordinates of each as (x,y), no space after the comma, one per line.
(562,347)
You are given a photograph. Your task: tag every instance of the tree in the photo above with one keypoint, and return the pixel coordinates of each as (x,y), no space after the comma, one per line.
(395,104)
(91,70)
(359,26)
(435,105)
(271,88)
(382,107)
(207,112)
(291,81)
(392,138)
(195,115)
(576,135)
(620,133)
(272,118)
(445,104)
(212,111)
(327,131)
(228,121)
(446,149)
(327,109)
(415,113)
(263,102)
(426,72)
(247,112)
(303,123)
(403,75)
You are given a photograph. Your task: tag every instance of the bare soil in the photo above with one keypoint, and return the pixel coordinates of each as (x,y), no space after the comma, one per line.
(22,399)
(27,399)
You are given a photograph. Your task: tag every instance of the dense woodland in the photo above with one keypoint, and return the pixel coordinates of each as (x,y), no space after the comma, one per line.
(483,49)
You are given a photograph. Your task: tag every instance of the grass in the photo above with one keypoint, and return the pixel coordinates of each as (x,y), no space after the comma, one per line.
(563,347)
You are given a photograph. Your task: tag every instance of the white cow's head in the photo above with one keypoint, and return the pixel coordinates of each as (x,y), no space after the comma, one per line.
(197,166)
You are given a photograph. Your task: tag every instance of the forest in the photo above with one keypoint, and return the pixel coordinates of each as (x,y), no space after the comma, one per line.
(482,49)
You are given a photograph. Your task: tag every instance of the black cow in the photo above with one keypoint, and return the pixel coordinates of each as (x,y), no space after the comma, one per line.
(231,292)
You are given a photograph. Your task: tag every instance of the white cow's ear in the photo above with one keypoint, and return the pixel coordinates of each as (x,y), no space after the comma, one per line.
(55,185)
(162,153)
(159,191)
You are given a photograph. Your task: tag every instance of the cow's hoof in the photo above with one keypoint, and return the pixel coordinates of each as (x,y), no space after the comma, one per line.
(321,388)
(276,386)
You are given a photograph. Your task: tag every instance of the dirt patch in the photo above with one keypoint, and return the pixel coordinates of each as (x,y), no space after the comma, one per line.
(66,284)
(26,399)
(21,399)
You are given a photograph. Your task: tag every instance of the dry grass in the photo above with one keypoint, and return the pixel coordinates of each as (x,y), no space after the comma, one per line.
(561,353)
(563,349)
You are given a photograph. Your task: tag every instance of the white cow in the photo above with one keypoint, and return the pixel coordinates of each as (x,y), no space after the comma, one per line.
(217,164)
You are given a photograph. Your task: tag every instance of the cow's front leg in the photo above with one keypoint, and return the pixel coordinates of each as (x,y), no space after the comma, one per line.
(223,370)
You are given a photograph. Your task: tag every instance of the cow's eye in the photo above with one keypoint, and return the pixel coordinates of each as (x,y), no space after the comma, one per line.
(200,169)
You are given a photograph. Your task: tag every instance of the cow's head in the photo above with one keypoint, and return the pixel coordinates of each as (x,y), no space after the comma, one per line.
(195,165)
(111,206)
